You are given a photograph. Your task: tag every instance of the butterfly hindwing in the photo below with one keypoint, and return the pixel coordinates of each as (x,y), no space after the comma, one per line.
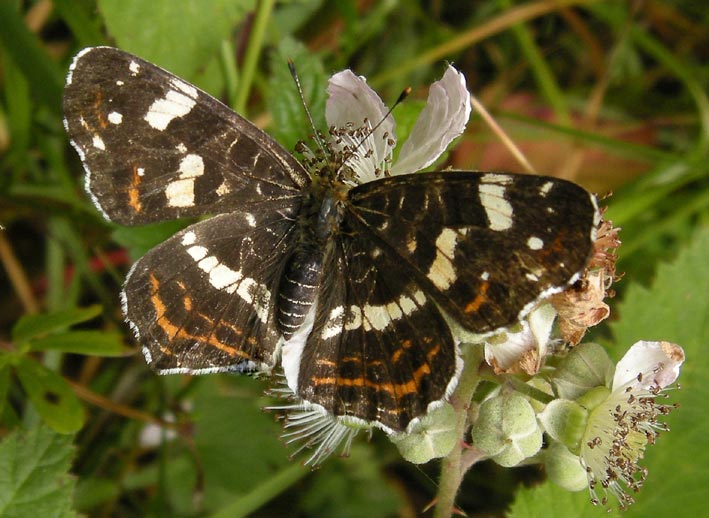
(485,246)
(202,301)
(157,148)
(380,350)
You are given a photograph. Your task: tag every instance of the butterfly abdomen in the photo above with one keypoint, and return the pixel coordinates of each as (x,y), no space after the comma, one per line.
(298,289)
(319,219)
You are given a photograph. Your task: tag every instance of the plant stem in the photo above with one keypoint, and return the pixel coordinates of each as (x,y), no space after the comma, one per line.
(253,51)
(451,468)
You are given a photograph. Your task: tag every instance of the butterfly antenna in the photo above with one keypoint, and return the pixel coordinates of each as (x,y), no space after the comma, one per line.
(403,95)
(294,75)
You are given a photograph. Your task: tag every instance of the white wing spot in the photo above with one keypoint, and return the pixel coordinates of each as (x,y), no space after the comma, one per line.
(441,272)
(485,276)
(197,252)
(115,118)
(499,179)
(534,243)
(250,219)
(371,316)
(119,83)
(134,68)
(141,171)
(189,238)
(532,277)
(497,208)
(98,143)
(544,189)
(222,277)
(191,166)
(180,192)
(184,87)
(181,148)
(163,111)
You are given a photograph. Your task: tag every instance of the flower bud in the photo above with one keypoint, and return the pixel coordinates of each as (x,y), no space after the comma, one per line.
(585,367)
(564,468)
(565,421)
(507,429)
(432,437)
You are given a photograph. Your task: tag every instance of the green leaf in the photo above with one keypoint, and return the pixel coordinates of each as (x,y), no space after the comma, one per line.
(233,473)
(139,240)
(97,343)
(351,488)
(34,474)
(179,36)
(31,326)
(94,491)
(4,386)
(43,74)
(676,309)
(51,396)
(551,501)
(290,123)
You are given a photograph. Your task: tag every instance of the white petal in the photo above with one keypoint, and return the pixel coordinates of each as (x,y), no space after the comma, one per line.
(658,362)
(444,118)
(516,346)
(352,101)
(541,322)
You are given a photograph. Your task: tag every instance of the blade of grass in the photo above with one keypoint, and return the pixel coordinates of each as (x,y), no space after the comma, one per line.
(498,24)
(42,73)
(263,493)
(542,74)
(85,29)
(253,53)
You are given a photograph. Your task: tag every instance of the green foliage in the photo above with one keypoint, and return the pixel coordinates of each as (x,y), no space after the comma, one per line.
(540,73)
(674,309)
(34,478)
(180,36)
(290,123)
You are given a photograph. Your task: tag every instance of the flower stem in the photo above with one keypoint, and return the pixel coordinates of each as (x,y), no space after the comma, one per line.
(451,466)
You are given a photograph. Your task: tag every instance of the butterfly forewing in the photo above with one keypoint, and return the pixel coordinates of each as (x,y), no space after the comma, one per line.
(202,301)
(485,246)
(157,148)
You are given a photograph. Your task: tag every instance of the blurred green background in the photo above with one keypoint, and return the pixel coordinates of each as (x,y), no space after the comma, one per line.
(611,94)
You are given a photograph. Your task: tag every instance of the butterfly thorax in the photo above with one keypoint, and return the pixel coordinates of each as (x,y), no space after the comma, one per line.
(319,219)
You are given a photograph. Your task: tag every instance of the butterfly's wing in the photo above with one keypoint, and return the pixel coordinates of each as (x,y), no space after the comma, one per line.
(481,248)
(202,301)
(380,349)
(157,148)
(485,246)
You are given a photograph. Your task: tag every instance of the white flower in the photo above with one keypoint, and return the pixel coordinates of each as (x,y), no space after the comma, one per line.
(353,109)
(362,137)
(626,420)
(523,350)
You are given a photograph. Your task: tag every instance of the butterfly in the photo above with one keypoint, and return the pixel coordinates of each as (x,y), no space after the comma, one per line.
(350,282)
